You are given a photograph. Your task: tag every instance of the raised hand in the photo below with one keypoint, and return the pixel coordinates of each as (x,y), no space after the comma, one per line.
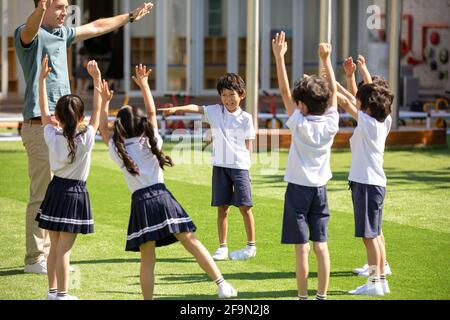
(45,69)
(362,61)
(349,67)
(279,45)
(142,74)
(93,70)
(142,11)
(104,91)
(325,51)
(44,4)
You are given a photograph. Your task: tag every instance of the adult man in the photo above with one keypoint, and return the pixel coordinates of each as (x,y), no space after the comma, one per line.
(45,33)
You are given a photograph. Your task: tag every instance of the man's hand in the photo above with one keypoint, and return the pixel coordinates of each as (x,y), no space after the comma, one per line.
(141,11)
(44,4)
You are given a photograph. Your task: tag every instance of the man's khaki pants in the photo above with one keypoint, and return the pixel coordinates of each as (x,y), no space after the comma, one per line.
(37,239)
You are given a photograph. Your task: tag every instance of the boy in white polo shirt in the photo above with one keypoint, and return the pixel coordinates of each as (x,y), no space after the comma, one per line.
(367,179)
(232,132)
(314,122)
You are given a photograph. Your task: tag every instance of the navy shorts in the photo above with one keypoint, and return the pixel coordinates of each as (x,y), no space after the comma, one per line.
(231,187)
(368,203)
(305,208)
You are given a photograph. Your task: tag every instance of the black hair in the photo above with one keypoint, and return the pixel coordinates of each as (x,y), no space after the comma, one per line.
(314,92)
(70,111)
(377,99)
(231,81)
(378,80)
(130,123)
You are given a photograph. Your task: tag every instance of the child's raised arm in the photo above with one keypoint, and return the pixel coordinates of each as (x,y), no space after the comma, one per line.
(279,48)
(96,75)
(349,69)
(106,97)
(341,89)
(141,79)
(43,98)
(325,55)
(349,107)
(363,70)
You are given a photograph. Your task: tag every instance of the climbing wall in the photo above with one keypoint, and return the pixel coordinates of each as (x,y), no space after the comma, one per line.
(428,51)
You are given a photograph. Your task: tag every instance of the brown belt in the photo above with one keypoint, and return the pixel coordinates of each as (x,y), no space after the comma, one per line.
(33,121)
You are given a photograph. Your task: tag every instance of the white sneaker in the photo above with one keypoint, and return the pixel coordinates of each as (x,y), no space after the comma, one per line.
(387,269)
(51,296)
(385,286)
(221,254)
(226,290)
(243,254)
(39,267)
(364,271)
(369,289)
(364,268)
(66,297)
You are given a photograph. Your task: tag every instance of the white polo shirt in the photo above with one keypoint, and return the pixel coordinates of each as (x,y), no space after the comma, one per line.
(229,132)
(59,153)
(310,152)
(150,173)
(367,145)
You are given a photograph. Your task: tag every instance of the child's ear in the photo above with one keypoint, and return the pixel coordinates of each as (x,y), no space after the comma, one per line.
(243,96)
(82,118)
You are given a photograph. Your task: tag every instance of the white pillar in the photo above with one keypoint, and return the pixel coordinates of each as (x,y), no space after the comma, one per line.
(126,49)
(195,44)
(363,32)
(253,59)
(4,53)
(346,20)
(266,44)
(233,36)
(325,24)
(298,49)
(161,46)
(395,24)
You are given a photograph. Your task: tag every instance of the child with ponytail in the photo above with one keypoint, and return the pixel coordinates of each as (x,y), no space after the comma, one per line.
(66,211)
(156,218)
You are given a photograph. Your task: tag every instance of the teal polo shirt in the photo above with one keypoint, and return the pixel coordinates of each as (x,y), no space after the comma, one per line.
(54,43)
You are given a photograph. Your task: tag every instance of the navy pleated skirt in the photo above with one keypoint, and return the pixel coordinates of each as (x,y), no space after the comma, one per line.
(156,216)
(66,207)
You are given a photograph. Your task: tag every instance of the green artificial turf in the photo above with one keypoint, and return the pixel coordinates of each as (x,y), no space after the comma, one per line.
(416,226)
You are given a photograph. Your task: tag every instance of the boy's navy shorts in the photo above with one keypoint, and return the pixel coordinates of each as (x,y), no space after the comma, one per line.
(368,201)
(305,208)
(231,187)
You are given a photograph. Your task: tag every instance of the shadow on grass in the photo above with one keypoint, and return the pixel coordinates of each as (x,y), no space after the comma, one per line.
(286,294)
(192,278)
(11,272)
(112,261)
